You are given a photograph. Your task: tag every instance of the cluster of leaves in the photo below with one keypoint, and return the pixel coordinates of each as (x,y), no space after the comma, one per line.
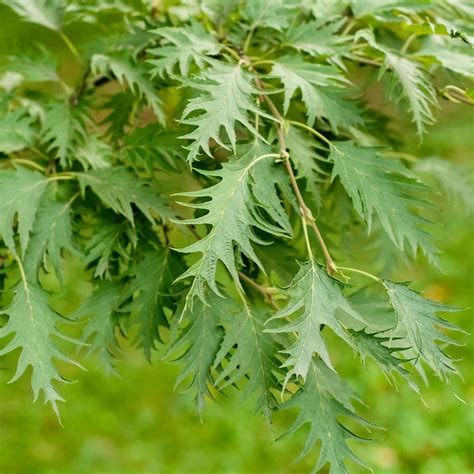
(213,164)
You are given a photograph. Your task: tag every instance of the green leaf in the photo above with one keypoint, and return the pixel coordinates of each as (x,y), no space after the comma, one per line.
(122,111)
(316,300)
(234,211)
(369,7)
(99,311)
(273,14)
(327,9)
(323,399)
(197,346)
(188,45)
(456,181)
(134,74)
(226,99)
(417,319)
(21,191)
(383,350)
(316,40)
(319,90)
(408,80)
(16,131)
(48,13)
(63,130)
(39,65)
(218,11)
(95,153)
(251,355)
(119,188)
(305,157)
(108,245)
(457,60)
(152,286)
(153,147)
(385,187)
(52,232)
(34,323)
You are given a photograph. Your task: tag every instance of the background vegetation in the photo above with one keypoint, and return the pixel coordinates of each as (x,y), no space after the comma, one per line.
(137,423)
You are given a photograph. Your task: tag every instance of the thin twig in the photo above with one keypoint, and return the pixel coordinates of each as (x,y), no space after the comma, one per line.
(266,292)
(24,161)
(248,39)
(70,45)
(81,88)
(408,43)
(305,211)
(348,27)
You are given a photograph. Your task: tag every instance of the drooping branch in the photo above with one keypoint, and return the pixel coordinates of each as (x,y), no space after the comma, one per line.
(305,211)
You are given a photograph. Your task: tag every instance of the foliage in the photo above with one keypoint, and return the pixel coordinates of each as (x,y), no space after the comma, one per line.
(240,132)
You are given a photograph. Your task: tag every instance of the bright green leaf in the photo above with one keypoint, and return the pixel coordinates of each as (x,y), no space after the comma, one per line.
(34,323)
(417,318)
(315,300)
(385,187)
(21,191)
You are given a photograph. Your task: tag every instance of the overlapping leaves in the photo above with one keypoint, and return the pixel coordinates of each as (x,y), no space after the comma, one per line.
(314,300)
(385,187)
(235,210)
(251,93)
(226,100)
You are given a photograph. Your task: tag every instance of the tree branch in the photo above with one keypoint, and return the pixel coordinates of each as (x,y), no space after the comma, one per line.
(266,292)
(305,211)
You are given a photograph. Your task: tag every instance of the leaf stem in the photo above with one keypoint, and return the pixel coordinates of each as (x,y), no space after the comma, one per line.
(408,43)
(310,129)
(24,161)
(266,292)
(61,177)
(455,94)
(364,60)
(248,39)
(81,88)
(402,156)
(263,61)
(40,153)
(305,211)
(267,155)
(70,45)
(232,52)
(360,272)
(22,271)
(348,27)
(306,238)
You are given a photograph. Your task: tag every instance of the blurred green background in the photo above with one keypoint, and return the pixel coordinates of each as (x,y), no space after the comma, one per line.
(137,423)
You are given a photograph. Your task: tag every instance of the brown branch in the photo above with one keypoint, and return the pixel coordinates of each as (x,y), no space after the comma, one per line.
(304,209)
(266,292)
